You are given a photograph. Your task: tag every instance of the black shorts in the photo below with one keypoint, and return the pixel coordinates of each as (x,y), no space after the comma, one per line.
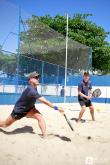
(86,103)
(19,114)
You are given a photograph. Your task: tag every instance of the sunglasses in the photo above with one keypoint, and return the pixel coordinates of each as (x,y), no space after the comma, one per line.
(36,78)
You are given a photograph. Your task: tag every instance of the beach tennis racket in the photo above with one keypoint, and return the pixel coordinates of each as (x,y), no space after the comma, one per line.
(67,120)
(96,93)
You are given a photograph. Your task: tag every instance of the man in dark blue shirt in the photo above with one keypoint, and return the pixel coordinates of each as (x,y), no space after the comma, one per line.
(62,92)
(84,90)
(25,106)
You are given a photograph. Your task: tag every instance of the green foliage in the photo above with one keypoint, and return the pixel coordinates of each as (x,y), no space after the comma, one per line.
(7,63)
(80,29)
(87,33)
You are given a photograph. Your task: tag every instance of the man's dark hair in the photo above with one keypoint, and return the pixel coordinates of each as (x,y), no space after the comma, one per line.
(86,74)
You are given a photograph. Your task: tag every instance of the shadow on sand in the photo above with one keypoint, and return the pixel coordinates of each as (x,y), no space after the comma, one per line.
(28,129)
(76,119)
(25,129)
(51,136)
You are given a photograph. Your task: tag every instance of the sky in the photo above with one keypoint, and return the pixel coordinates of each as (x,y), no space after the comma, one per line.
(100,10)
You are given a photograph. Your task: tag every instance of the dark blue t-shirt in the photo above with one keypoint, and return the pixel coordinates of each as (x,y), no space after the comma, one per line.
(84,87)
(62,93)
(27,99)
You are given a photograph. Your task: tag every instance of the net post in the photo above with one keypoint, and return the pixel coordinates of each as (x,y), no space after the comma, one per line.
(18,54)
(66,56)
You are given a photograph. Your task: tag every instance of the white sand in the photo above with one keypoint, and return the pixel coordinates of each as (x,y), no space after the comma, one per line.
(20,144)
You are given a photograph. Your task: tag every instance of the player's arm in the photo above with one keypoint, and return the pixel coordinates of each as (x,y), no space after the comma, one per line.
(90,90)
(81,94)
(43,100)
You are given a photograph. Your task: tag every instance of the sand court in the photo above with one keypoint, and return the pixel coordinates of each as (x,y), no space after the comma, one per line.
(21,143)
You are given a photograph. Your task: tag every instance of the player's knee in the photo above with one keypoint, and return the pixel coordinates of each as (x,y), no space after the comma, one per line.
(39,117)
(83,109)
(5,125)
(91,108)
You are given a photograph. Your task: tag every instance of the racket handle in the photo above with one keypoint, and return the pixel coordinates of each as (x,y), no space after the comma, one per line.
(68,122)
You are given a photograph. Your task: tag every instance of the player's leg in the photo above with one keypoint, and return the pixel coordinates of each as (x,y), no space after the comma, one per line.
(83,108)
(10,120)
(89,104)
(35,114)
(92,112)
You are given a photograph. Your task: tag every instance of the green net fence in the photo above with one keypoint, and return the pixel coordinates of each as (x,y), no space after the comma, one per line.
(27,44)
